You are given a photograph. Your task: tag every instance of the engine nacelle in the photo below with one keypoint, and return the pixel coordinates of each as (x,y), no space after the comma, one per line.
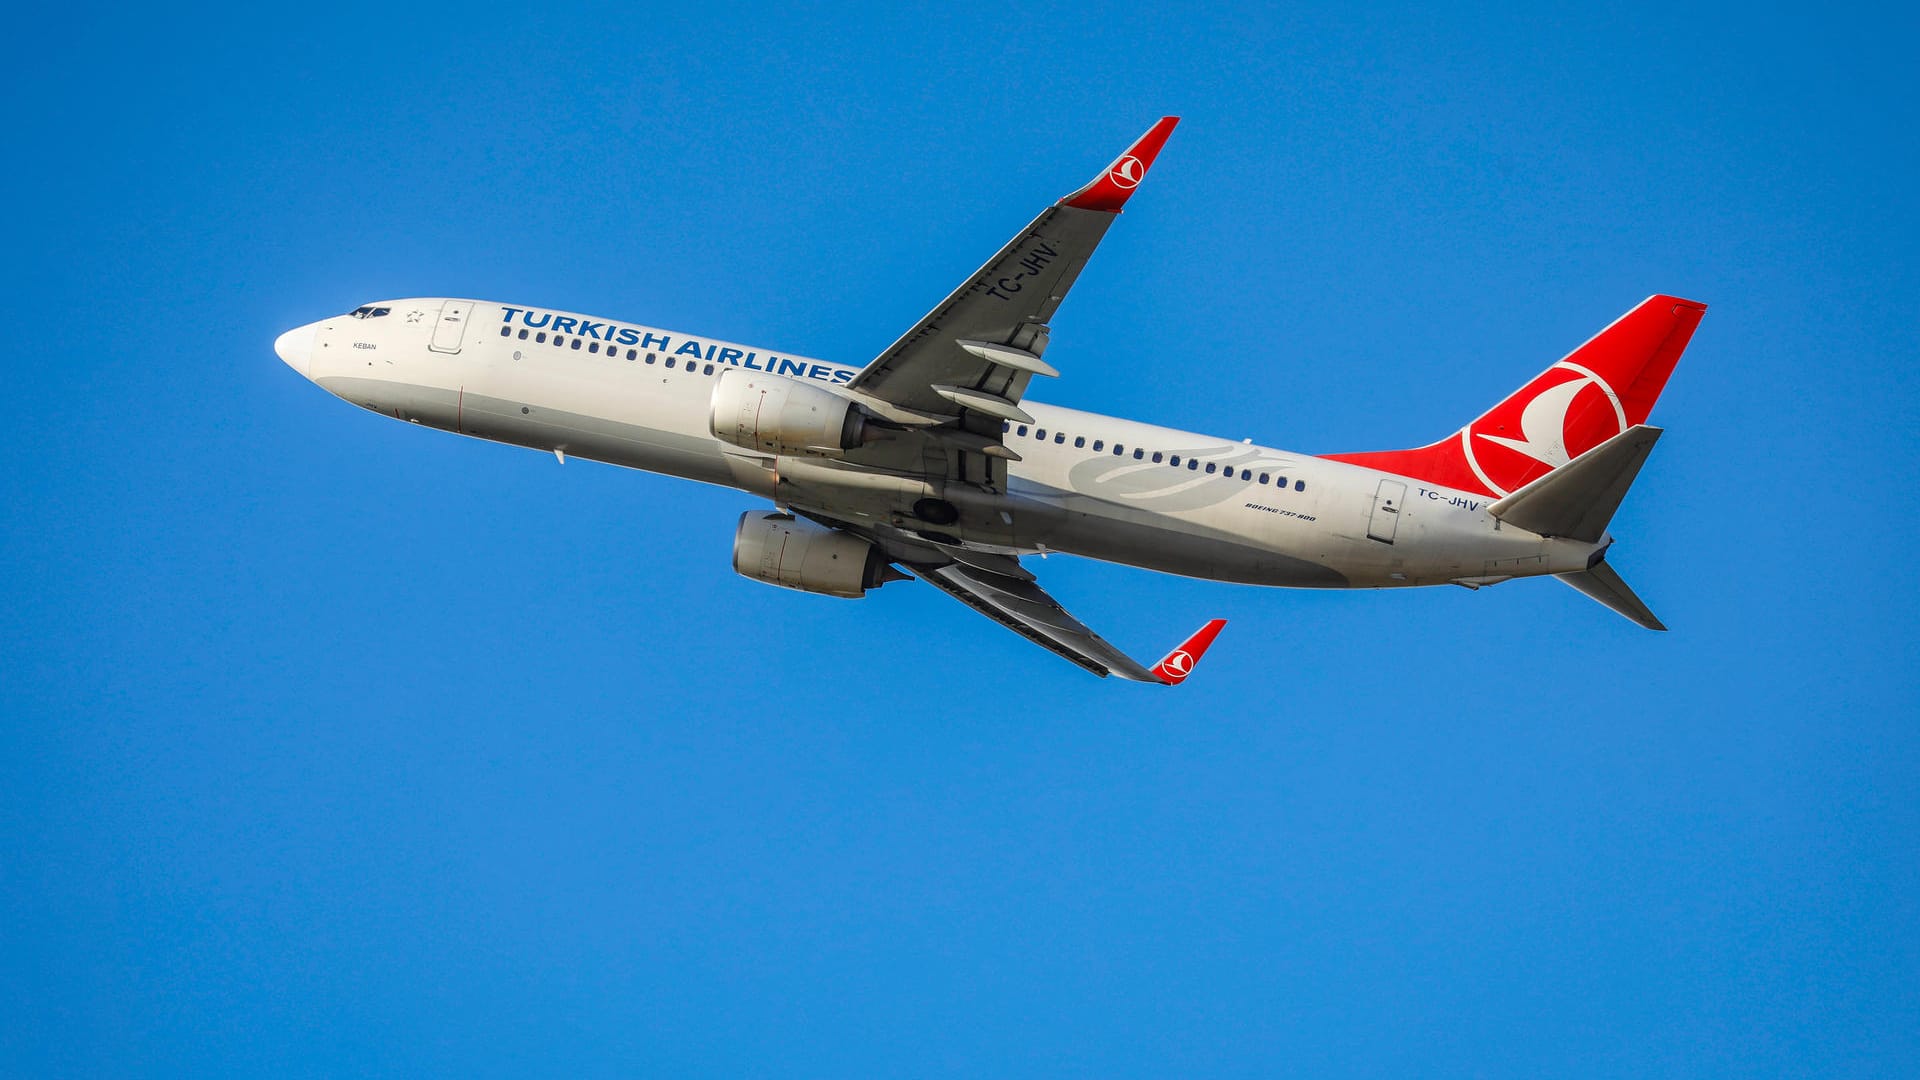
(774,415)
(793,553)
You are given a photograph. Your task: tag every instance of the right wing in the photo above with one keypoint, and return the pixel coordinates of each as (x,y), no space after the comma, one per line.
(976,350)
(960,372)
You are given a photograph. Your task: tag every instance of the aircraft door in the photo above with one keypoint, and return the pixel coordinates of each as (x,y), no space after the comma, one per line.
(1385,522)
(451,326)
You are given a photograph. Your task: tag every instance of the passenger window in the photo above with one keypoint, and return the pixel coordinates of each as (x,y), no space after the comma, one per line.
(1211,468)
(669,361)
(631,353)
(1264,477)
(595,347)
(523,335)
(541,338)
(1299,485)
(1175,462)
(1040,433)
(650,357)
(1059,438)
(576,343)
(1079,442)
(559,342)
(1022,431)
(1006,426)
(1281,483)
(709,370)
(1099,445)
(505,331)
(1156,457)
(1193,464)
(1138,453)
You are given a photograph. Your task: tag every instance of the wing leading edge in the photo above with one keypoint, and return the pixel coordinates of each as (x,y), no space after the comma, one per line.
(970,358)
(1025,608)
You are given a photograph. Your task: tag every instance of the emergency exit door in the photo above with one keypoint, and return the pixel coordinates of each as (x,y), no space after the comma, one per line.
(1385,522)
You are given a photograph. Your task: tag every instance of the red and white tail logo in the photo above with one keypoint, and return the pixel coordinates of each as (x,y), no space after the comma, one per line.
(1174,668)
(1563,413)
(1601,389)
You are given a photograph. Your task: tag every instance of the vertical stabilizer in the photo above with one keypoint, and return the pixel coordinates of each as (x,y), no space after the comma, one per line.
(1599,390)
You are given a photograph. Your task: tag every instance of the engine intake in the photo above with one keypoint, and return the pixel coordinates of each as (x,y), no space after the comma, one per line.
(783,550)
(776,415)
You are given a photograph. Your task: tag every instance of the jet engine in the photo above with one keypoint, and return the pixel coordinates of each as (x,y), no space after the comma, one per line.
(792,553)
(758,411)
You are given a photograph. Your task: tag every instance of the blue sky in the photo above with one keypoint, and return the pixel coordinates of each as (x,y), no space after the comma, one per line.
(334,746)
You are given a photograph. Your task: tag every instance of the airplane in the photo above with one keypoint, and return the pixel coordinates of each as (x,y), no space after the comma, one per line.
(930,462)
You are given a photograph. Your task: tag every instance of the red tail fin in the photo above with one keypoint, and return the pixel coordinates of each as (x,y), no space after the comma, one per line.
(1601,389)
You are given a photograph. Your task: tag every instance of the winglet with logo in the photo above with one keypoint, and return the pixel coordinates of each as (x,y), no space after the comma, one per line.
(1109,190)
(1174,668)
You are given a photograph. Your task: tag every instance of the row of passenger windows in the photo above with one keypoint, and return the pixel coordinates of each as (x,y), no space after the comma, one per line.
(1157,457)
(560,341)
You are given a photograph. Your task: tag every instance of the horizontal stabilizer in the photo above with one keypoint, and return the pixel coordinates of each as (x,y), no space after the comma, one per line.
(1578,499)
(1603,584)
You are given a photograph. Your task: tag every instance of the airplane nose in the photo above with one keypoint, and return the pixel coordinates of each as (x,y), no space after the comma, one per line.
(295,346)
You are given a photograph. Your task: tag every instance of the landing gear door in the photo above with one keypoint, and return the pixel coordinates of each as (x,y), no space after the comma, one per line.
(451,326)
(1385,523)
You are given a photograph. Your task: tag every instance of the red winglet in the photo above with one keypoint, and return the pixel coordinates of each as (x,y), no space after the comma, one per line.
(1174,668)
(1109,190)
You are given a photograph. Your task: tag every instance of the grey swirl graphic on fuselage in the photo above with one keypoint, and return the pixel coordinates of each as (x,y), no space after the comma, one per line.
(1165,488)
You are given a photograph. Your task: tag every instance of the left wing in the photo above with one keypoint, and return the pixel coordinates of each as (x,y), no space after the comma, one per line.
(1025,608)
(969,360)
(998,587)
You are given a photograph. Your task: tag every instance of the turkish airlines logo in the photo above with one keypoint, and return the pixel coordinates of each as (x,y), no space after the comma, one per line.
(1126,173)
(1564,413)
(1177,666)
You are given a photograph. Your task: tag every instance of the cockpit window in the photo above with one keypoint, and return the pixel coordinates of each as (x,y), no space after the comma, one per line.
(369,312)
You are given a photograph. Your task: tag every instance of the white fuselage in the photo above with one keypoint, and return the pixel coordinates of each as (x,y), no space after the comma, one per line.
(640,397)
